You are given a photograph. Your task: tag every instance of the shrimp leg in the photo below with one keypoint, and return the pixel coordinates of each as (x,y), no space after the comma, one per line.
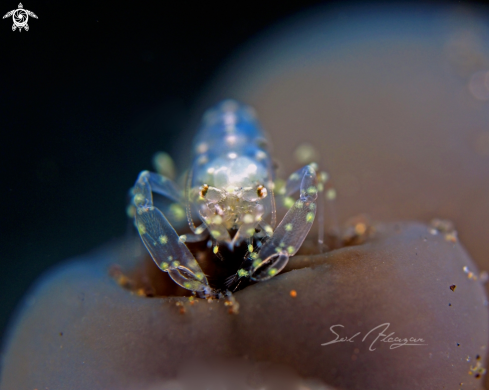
(166,248)
(289,235)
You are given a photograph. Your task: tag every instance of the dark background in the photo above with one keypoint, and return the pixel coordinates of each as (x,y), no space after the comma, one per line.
(88,94)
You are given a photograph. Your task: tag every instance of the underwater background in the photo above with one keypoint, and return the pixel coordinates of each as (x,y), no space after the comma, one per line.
(88,95)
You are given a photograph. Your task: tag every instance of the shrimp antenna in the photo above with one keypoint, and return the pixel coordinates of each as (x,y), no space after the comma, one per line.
(188,206)
(271,185)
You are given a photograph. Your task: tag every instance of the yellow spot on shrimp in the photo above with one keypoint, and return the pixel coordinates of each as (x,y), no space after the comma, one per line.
(279,187)
(331,194)
(199,275)
(289,227)
(290,249)
(141,228)
(175,264)
(216,233)
(312,190)
(164,165)
(250,232)
(164,265)
(200,229)
(272,271)
(131,211)
(217,220)
(288,202)
(177,212)
(163,239)
(257,262)
(250,248)
(305,153)
(215,249)
(242,273)
(299,204)
(310,217)
(248,218)
(323,177)
(294,176)
(269,230)
(138,199)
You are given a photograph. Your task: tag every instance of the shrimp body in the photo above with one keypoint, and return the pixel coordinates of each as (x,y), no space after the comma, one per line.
(232,169)
(230,148)
(230,189)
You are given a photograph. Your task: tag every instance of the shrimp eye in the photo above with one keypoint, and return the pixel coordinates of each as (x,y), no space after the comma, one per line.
(203,190)
(261,191)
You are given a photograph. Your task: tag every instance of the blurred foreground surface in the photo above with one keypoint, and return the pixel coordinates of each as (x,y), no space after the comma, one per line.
(100,336)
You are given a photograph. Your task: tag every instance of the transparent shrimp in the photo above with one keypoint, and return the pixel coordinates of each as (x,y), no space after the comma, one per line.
(230,189)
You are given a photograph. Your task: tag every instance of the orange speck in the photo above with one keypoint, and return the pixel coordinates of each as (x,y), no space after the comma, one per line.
(141,292)
(181,308)
(453,287)
(451,237)
(360,228)
(293,293)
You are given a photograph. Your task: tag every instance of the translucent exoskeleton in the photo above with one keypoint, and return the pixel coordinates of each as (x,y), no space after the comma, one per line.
(231,190)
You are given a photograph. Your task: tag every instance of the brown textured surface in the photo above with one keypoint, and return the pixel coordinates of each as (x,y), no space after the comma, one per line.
(80,330)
